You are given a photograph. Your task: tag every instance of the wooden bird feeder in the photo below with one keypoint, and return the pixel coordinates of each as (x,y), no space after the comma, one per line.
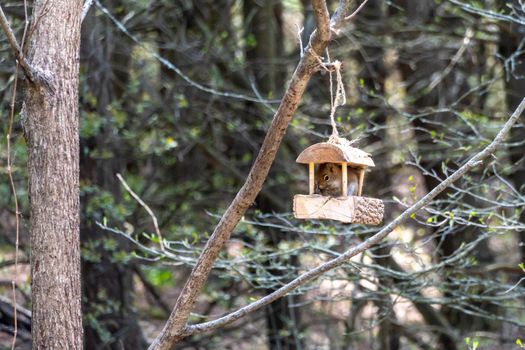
(348,209)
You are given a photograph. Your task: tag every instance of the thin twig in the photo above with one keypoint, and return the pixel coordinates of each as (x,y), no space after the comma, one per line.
(10,162)
(356,11)
(85,9)
(488,14)
(466,41)
(299,38)
(17,210)
(17,49)
(513,287)
(145,206)
(9,263)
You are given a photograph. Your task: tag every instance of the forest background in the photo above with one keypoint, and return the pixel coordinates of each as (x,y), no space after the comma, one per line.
(177,95)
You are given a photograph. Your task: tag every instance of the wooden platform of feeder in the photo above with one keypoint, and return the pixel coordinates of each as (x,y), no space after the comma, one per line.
(353,209)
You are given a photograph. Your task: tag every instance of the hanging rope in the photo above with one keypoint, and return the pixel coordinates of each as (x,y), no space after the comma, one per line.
(340,95)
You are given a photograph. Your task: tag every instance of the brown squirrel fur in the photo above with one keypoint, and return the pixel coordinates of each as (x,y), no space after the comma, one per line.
(329,180)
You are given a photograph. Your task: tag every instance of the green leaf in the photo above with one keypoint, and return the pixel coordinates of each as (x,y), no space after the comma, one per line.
(522,267)
(251,41)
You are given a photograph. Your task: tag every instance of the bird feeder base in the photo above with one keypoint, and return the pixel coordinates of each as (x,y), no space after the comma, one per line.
(353,209)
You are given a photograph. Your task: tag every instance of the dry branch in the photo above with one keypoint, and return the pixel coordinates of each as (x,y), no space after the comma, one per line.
(17,50)
(85,9)
(146,207)
(359,8)
(322,20)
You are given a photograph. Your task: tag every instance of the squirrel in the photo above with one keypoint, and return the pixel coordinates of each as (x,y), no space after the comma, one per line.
(329,180)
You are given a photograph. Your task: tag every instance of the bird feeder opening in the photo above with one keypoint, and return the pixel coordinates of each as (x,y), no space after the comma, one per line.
(343,201)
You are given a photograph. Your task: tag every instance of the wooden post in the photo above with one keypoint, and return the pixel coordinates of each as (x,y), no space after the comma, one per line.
(361,180)
(345,180)
(311,177)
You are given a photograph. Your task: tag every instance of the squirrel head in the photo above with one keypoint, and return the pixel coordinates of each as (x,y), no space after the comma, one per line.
(329,177)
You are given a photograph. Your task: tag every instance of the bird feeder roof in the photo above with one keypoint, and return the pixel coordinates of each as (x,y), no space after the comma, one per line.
(326,152)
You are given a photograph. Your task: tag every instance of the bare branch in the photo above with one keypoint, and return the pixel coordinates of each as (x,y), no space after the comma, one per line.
(17,50)
(322,19)
(9,263)
(145,206)
(469,34)
(359,8)
(339,15)
(85,9)
(488,14)
(365,245)
(299,32)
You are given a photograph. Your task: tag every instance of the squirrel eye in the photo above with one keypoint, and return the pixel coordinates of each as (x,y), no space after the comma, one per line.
(326,177)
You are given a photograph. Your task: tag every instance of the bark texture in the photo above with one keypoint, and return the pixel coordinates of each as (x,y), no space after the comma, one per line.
(50,119)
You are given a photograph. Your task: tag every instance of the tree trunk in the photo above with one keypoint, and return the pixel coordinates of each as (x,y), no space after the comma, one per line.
(50,118)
